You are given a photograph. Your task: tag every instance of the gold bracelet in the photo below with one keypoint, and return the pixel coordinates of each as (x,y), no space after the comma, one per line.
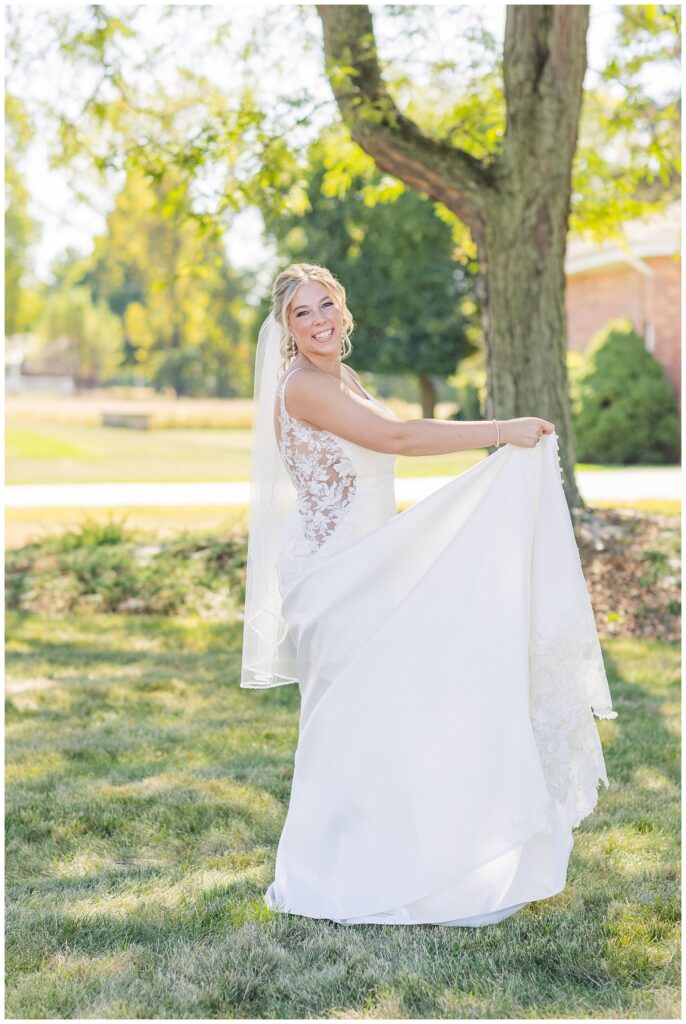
(497,432)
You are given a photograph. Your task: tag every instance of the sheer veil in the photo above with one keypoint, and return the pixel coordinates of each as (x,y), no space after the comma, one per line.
(269,656)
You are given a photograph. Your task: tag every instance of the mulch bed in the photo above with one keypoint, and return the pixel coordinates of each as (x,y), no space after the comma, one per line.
(632,565)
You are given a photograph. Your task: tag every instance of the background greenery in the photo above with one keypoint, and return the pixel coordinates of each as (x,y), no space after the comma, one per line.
(162,297)
(625,410)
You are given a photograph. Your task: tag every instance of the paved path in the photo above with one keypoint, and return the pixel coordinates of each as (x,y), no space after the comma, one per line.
(600,485)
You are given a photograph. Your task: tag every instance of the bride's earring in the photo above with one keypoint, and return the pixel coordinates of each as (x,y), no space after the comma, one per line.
(292,347)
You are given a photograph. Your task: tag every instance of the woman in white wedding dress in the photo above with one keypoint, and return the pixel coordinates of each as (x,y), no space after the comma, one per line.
(447,657)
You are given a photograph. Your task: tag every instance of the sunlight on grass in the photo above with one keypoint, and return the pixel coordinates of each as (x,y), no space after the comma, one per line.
(38,765)
(670,714)
(69,453)
(41,443)
(653,780)
(146,793)
(629,850)
(16,687)
(84,967)
(653,506)
(233,796)
(150,899)
(638,939)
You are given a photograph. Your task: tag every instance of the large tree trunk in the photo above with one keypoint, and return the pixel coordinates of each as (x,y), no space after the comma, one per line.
(525,329)
(427,392)
(515,202)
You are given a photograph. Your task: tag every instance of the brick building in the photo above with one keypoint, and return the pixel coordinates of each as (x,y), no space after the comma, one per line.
(638,278)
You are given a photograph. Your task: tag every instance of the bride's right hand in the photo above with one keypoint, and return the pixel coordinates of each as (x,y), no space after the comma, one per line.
(525,432)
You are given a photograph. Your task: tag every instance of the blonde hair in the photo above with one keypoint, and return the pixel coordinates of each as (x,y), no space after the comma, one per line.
(283,292)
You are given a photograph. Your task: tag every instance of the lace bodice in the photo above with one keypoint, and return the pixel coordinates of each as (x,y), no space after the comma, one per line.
(323,474)
(343,490)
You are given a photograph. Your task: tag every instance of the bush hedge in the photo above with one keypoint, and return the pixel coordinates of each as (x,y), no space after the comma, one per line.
(624,411)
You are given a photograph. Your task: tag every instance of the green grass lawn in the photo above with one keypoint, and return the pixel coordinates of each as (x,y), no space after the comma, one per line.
(47,453)
(145,797)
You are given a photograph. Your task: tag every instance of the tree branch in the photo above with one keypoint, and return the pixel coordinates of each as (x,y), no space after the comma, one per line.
(396,143)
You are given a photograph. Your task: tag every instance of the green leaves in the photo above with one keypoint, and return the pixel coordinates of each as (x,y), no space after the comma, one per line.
(21,230)
(628,160)
(394,254)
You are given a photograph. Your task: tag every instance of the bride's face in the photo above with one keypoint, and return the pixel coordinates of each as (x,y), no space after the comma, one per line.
(315,320)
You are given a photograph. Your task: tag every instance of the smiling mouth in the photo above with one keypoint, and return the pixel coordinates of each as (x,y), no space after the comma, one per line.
(323,336)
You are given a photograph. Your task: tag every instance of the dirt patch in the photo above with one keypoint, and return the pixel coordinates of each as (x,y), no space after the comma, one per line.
(632,564)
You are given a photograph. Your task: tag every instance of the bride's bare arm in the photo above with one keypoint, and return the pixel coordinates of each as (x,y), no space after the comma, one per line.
(325,402)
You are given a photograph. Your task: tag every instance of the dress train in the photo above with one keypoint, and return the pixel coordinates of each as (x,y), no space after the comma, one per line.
(449,670)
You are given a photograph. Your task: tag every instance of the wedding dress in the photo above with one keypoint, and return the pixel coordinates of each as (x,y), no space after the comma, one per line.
(449,669)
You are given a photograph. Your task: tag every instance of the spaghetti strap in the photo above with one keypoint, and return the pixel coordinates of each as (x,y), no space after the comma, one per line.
(294,371)
(283,387)
(355,377)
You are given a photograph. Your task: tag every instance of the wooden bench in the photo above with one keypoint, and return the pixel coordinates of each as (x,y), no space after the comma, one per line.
(132,420)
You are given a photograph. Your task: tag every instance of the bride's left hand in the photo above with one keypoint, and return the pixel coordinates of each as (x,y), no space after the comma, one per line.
(525,431)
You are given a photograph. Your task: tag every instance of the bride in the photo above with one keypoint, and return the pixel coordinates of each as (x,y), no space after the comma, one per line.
(447,656)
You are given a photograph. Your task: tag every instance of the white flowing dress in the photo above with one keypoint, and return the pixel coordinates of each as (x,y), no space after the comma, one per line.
(449,670)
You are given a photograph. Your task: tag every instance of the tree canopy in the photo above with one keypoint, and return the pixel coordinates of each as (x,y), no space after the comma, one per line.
(215,113)
(412,298)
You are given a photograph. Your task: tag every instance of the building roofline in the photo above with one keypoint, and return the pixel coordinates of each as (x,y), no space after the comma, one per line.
(643,239)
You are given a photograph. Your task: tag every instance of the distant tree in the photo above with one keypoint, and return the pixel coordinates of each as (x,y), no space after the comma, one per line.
(82,337)
(21,230)
(186,324)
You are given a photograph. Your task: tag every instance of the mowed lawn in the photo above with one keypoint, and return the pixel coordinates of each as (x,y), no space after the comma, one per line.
(51,453)
(145,797)
(60,439)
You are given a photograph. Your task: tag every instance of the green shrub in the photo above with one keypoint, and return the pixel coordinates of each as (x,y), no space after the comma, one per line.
(470,393)
(89,534)
(108,571)
(111,568)
(624,411)
(469,403)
